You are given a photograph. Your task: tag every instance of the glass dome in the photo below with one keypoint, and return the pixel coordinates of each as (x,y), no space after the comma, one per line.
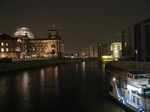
(23,31)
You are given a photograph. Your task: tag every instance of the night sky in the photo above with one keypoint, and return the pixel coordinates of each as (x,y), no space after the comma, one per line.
(80,22)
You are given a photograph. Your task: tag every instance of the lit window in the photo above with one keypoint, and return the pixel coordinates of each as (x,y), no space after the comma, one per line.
(53,45)
(19,40)
(2,49)
(2,44)
(6,44)
(17,49)
(6,49)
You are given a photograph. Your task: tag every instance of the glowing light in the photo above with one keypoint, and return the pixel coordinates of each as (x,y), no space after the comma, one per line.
(24,32)
(6,49)
(19,40)
(134,88)
(114,79)
(2,44)
(2,49)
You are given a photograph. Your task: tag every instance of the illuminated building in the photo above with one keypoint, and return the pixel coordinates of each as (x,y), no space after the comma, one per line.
(136,41)
(23,31)
(25,47)
(104,51)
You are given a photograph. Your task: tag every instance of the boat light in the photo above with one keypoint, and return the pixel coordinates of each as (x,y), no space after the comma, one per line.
(114,79)
(134,88)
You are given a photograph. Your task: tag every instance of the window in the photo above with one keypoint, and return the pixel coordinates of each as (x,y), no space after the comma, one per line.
(135,77)
(2,49)
(6,49)
(141,76)
(138,101)
(53,45)
(2,44)
(128,75)
(6,44)
(17,49)
(133,98)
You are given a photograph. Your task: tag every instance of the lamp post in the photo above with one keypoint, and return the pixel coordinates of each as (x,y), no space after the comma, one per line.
(136,51)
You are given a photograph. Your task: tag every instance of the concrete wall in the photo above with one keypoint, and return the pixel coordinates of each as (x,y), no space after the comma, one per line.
(132,65)
(4,67)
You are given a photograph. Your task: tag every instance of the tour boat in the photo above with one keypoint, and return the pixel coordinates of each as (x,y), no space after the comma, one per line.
(132,92)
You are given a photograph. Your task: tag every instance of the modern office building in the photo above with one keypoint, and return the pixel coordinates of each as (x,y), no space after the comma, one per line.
(91,51)
(136,41)
(103,51)
(24,45)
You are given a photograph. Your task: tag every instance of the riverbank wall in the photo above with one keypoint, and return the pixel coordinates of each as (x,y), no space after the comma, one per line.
(18,65)
(120,68)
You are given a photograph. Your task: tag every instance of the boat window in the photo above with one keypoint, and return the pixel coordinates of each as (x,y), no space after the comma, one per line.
(141,76)
(146,76)
(133,98)
(130,76)
(138,101)
(147,93)
(135,77)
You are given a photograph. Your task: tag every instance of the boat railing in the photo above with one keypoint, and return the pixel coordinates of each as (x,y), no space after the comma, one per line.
(132,103)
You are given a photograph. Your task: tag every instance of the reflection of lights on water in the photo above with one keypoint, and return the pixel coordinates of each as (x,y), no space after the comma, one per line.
(83,69)
(83,66)
(42,75)
(42,80)
(25,81)
(77,66)
(56,78)
(25,87)
(103,70)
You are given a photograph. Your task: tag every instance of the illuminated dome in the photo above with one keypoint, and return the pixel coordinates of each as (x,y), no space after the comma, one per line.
(23,31)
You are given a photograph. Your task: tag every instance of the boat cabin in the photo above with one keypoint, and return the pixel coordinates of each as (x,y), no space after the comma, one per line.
(138,78)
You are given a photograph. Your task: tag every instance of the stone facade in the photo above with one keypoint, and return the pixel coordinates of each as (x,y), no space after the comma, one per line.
(24,47)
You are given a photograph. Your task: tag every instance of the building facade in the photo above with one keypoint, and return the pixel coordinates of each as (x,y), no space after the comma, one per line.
(21,46)
(136,41)
(104,51)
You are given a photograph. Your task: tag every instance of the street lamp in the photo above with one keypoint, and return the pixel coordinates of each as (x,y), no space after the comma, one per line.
(136,51)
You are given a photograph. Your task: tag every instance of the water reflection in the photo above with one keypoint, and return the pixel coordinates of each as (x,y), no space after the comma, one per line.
(77,67)
(103,70)
(42,79)
(79,86)
(83,70)
(25,89)
(56,78)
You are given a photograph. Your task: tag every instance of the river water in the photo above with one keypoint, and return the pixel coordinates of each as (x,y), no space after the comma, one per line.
(73,87)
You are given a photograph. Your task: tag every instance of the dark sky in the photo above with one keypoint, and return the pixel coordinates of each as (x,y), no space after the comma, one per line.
(80,22)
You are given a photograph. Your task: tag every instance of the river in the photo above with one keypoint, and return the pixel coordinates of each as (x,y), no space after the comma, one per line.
(73,87)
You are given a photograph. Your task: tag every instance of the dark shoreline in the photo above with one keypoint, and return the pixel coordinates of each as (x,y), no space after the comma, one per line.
(11,66)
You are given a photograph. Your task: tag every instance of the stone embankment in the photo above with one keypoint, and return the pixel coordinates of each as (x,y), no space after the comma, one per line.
(116,71)
(17,65)
(120,68)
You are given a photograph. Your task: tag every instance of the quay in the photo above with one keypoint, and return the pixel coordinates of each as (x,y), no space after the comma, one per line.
(120,68)
(17,64)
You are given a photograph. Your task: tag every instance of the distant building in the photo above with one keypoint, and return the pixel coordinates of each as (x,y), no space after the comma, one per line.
(103,51)
(23,45)
(23,31)
(91,51)
(136,41)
